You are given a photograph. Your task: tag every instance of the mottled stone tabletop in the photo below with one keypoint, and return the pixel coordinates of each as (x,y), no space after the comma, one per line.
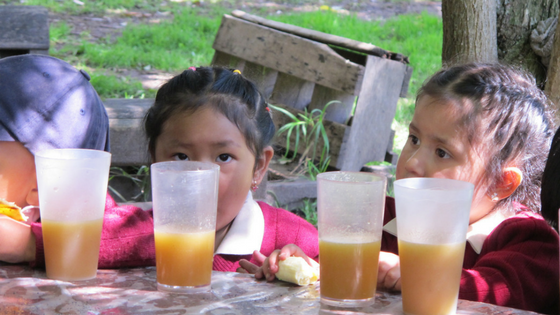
(133,291)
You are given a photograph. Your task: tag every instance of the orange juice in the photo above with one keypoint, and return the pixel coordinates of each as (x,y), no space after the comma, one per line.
(430,277)
(184,259)
(71,249)
(348,270)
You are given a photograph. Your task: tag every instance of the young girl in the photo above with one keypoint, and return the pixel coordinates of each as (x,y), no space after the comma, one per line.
(216,115)
(488,125)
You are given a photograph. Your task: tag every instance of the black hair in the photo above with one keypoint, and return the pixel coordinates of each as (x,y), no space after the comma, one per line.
(506,115)
(226,91)
(550,189)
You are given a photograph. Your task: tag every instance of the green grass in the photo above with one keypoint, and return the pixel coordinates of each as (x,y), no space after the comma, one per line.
(186,40)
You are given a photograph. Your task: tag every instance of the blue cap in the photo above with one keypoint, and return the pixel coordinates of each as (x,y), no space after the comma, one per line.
(45,103)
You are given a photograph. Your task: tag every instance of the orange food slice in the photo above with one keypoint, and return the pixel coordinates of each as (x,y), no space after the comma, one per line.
(11,210)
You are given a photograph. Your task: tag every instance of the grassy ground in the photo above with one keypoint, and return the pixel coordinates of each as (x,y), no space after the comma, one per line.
(183,33)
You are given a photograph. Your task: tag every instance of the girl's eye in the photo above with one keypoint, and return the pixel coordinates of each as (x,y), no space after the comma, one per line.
(414,139)
(223,158)
(181,156)
(442,154)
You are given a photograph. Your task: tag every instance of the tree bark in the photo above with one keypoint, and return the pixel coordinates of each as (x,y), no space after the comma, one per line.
(515,21)
(552,88)
(469,31)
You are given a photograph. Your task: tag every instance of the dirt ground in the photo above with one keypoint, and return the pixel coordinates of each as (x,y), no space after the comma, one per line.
(112,23)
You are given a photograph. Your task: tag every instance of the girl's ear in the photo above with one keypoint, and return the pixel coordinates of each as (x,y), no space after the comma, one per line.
(511,179)
(262,164)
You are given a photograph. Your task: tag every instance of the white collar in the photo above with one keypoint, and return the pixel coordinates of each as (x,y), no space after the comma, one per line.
(246,232)
(476,233)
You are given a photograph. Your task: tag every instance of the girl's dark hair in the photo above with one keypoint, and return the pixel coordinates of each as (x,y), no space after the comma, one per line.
(550,192)
(505,115)
(224,90)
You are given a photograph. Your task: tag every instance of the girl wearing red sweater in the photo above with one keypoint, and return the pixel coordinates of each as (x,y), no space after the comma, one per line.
(489,125)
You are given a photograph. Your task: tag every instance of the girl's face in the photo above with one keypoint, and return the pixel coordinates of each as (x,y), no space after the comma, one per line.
(208,136)
(437,147)
(18,182)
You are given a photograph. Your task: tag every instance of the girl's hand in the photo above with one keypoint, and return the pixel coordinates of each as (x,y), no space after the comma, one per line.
(270,265)
(17,242)
(389,272)
(246,266)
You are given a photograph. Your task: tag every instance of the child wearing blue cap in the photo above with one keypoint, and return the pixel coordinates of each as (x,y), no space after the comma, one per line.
(46,103)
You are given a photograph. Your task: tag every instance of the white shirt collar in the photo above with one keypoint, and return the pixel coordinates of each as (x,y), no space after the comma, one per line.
(246,232)
(476,233)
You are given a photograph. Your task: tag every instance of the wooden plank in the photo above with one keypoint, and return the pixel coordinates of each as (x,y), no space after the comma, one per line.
(335,133)
(337,111)
(24,27)
(369,134)
(322,37)
(292,91)
(228,61)
(299,57)
(406,82)
(126,131)
(265,78)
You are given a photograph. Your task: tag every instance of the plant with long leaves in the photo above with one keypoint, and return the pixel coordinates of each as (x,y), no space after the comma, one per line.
(309,129)
(140,177)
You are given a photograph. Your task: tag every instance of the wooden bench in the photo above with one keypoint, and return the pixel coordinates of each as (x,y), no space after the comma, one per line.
(23,30)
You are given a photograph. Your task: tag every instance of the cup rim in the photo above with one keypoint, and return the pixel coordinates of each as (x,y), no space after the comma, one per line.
(72,154)
(328,176)
(433,183)
(186,166)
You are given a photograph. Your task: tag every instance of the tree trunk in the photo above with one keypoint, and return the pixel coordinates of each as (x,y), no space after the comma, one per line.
(552,88)
(469,31)
(515,21)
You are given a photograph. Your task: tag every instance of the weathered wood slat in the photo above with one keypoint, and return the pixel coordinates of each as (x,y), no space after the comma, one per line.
(374,115)
(24,28)
(296,56)
(292,91)
(337,111)
(321,37)
(126,131)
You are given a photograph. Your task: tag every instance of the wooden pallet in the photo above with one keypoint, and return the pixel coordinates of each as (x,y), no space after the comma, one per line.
(23,30)
(301,69)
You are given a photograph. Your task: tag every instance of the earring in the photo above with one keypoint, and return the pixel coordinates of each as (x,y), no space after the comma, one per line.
(254,186)
(494,197)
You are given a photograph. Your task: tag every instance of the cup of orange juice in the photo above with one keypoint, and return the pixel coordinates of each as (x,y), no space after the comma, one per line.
(72,185)
(432,223)
(185,202)
(350,209)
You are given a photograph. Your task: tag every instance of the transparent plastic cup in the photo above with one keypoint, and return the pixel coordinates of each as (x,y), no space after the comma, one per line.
(350,209)
(432,222)
(72,186)
(185,202)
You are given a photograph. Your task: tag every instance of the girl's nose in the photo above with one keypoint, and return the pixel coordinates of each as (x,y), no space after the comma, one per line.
(414,166)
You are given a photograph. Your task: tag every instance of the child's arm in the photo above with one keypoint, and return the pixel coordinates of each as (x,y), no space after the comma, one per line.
(17,243)
(389,272)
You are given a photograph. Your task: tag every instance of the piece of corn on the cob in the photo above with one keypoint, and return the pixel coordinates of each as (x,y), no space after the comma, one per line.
(296,270)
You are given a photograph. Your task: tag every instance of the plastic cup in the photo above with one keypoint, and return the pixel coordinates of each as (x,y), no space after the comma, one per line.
(350,209)
(185,202)
(72,186)
(432,222)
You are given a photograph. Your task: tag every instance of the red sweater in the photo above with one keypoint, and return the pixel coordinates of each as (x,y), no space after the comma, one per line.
(517,267)
(127,239)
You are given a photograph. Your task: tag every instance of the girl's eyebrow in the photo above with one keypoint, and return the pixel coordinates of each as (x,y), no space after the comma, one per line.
(218,144)
(441,140)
